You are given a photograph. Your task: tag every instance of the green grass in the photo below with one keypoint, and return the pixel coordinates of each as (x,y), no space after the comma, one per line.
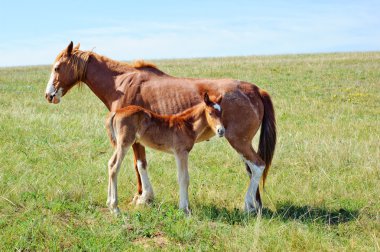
(322,193)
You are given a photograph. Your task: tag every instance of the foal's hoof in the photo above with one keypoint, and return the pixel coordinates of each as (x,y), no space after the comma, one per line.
(141,199)
(133,202)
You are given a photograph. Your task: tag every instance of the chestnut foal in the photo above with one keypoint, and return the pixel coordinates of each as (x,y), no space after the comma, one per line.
(172,133)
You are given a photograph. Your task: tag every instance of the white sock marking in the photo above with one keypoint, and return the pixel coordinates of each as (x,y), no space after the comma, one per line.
(257,172)
(147,187)
(183,180)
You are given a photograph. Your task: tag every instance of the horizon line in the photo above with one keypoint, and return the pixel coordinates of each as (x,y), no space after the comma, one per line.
(214,57)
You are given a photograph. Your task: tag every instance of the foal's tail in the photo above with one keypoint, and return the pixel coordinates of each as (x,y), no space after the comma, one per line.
(268,133)
(110,128)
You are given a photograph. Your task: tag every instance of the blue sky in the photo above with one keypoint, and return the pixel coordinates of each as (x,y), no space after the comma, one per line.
(33,32)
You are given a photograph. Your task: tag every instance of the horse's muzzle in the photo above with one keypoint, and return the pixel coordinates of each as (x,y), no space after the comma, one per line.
(51,98)
(220,132)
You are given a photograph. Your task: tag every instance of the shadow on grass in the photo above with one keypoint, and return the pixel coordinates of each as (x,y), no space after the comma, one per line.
(284,212)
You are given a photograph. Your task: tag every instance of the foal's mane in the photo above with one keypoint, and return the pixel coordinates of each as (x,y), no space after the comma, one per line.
(182,119)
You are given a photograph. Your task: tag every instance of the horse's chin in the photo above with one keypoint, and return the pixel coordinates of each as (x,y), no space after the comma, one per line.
(55,100)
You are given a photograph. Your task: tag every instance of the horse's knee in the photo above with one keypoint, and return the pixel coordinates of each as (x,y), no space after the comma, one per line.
(111,163)
(113,171)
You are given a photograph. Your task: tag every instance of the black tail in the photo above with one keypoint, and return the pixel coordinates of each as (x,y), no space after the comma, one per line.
(268,134)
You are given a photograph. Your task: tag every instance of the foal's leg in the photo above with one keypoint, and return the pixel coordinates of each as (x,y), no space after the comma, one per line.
(183,180)
(112,176)
(111,163)
(145,190)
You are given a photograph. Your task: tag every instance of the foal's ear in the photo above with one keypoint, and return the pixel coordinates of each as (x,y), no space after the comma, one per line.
(77,46)
(69,48)
(207,100)
(219,99)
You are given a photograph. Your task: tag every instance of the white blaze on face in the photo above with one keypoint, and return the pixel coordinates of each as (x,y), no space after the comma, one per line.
(217,107)
(50,90)
(50,87)
(219,128)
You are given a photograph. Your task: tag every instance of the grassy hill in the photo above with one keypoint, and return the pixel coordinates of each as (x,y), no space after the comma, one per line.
(322,192)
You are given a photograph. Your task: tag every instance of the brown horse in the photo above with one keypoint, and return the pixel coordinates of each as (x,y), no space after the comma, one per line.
(245,106)
(175,134)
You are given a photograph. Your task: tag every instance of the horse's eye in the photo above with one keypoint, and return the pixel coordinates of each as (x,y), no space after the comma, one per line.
(56,69)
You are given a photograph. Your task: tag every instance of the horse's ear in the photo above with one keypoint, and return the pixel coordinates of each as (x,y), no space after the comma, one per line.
(77,46)
(69,48)
(207,100)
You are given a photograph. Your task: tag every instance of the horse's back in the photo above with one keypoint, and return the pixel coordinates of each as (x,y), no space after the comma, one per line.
(170,95)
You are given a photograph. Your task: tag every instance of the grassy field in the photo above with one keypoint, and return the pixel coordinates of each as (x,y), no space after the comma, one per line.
(322,193)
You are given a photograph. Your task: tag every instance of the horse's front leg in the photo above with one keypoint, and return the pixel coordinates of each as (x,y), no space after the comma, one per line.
(113,170)
(144,188)
(183,180)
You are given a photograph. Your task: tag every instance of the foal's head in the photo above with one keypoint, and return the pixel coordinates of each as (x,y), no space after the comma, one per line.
(213,112)
(68,69)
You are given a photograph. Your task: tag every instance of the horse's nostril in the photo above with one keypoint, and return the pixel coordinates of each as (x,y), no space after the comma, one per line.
(220,131)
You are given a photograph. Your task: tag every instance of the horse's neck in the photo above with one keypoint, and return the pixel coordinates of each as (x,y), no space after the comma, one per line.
(100,78)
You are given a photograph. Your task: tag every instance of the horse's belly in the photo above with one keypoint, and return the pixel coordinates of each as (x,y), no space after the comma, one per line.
(164,147)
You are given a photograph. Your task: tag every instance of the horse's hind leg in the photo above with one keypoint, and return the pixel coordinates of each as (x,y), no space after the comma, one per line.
(113,170)
(242,117)
(255,168)
(145,189)
(252,198)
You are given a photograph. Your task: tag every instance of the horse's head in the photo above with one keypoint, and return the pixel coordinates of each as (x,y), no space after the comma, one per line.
(68,69)
(214,115)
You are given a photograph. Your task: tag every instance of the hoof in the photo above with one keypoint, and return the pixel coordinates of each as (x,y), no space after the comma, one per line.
(134,200)
(187,212)
(255,208)
(141,199)
(115,211)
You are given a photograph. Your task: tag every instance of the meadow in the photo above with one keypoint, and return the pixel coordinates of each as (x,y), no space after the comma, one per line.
(322,192)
